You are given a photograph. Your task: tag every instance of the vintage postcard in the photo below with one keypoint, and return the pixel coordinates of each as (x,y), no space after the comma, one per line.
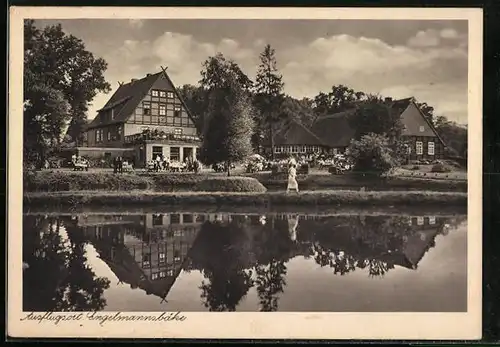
(245,173)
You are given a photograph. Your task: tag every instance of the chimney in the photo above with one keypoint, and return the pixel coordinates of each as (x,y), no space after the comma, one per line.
(148,74)
(133,80)
(388,100)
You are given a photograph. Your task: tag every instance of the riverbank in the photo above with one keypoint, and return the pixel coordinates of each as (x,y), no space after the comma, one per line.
(76,199)
(53,181)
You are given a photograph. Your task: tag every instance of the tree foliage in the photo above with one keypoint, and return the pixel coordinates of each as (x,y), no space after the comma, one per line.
(59,64)
(229,121)
(376,116)
(196,99)
(338,99)
(454,136)
(68,282)
(46,112)
(219,72)
(268,96)
(428,111)
(372,153)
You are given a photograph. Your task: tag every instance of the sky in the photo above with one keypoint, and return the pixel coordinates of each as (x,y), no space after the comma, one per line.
(398,58)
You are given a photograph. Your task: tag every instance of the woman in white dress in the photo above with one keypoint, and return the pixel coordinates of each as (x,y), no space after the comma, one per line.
(293,223)
(292,179)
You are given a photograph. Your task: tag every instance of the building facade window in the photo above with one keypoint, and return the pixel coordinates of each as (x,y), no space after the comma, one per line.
(419,147)
(170,95)
(99,135)
(162,94)
(154,276)
(157,219)
(430,148)
(420,220)
(157,152)
(177,111)
(163,110)
(146,260)
(432,220)
(422,128)
(175,154)
(178,131)
(146,108)
(154,93)
(161,257)
(109,135)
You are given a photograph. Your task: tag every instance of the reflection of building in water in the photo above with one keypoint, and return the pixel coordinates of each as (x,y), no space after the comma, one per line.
(149,251)
(145,251)
(395,241)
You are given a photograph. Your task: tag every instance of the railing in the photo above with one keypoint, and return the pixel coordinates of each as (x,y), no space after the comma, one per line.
(141,137)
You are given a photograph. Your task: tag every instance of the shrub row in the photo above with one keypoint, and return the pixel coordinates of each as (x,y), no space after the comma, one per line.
(355,181)
(335,198)
(50,181)
(230,184)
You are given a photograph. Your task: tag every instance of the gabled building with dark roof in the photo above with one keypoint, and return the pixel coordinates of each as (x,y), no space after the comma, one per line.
(296,138)
(332,134)
(140,251)
(149,104)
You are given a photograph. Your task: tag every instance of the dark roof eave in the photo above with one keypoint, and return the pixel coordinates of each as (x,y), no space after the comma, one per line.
(98,125)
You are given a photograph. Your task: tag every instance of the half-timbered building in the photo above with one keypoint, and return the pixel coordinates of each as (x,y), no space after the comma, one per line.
(144,118)
(332,134)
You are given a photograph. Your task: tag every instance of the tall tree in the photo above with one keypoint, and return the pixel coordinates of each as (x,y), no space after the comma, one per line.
(45,115)
(376,116)
(269,94)
(196,99)
(229,123)
(62,62)
(338,99)
(218,71)
(454,136)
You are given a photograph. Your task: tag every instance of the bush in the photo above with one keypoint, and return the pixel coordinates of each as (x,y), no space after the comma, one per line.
(372,154)
(51,181)
(440,168)
(230,184)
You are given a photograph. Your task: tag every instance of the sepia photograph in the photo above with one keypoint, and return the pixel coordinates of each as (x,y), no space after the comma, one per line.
(194,173)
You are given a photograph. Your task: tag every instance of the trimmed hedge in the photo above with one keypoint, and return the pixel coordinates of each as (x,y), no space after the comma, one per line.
(356,181)
(323,198)
(230,184)
(51,181)
(440,168)
(169,182)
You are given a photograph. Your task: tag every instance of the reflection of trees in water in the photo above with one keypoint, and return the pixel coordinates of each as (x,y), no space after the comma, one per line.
(231,255)
(58,277)
(270,283)
(215,252)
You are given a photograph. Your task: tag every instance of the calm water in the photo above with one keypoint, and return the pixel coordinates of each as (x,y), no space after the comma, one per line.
(228,262)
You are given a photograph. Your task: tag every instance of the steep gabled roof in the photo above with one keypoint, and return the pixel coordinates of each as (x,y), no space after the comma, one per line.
(128,96)
(334,129)
(431,126)
(297,134)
